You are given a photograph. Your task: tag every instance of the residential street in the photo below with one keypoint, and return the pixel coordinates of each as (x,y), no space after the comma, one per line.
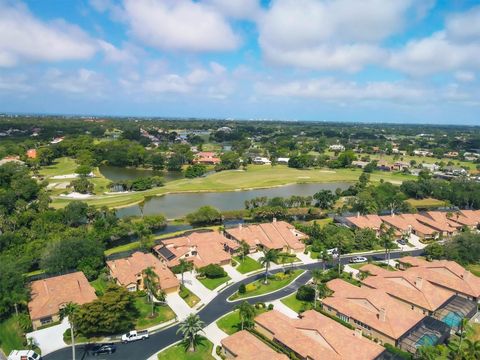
(211,312)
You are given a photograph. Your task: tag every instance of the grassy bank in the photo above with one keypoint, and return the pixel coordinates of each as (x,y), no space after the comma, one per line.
(256,176)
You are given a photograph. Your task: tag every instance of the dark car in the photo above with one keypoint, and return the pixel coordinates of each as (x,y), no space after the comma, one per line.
(103,349)
(402,242)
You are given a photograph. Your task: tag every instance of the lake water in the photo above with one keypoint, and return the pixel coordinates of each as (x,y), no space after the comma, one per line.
(175,206)
(115,173)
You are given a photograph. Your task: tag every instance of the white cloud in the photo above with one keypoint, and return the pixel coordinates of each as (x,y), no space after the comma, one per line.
(25,38)
(464,25)
(180,25)
(465,76)
(15,83)
(239,9)
(114,54)
(82,81)
(318,34)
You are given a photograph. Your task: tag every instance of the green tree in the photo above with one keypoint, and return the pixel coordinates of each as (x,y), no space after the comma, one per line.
(325,199)
(244,249)
(229,161)
(190,328)
(151,283)
(268,257)
(183,266)
(326,258)
(205,215)
(82,185)
(69,311)
(195,170)
(246,312)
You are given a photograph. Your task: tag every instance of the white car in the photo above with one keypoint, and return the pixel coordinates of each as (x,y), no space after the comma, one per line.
(24,355)
(358,259)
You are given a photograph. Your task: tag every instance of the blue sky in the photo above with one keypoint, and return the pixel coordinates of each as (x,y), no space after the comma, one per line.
(403,61)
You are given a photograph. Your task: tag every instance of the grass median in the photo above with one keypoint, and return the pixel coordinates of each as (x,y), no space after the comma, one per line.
(275,282)
(203,351)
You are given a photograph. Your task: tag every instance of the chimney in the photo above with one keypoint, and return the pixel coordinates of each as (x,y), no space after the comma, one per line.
(382,315)
(358,333)
(274,220)
(358,214)
(240,226)
(419,282)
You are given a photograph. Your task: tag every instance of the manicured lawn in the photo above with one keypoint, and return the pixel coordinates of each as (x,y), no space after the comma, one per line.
(11,336)
(231,323)
(256,176)
(100,285)
(189,297)
(297,305)
(177,352)
(61,166)
(212,284)
(286,259)
(275,282)
(322,222)
(474,269)
(247,265)
(162,313)
(426,203)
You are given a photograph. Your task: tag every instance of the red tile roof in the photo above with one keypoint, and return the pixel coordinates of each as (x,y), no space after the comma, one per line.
(366,221)
(246,346)
(49,295)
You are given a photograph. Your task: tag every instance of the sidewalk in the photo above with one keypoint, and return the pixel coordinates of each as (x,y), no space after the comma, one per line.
(179,306)
(192,284)
(284,309)
(233,273)
(215,335)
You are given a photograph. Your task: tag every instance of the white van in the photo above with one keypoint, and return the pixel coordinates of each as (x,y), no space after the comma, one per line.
(24,355)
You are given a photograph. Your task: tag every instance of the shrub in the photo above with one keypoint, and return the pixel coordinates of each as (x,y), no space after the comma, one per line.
(251,287)
(270,306)
(305,293)
(242,289)
(212,271)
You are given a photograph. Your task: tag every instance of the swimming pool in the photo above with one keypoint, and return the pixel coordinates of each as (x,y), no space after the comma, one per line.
(427,339)
(452,319)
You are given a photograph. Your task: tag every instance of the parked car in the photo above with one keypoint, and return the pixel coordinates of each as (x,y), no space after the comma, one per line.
(402,242)
(23,355)
(99,349)
(358,259)
(333,252)
(135,335)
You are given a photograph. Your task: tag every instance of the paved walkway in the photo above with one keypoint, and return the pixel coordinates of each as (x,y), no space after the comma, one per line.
(178,305)
(215,335)
(233,273)
(351,270)
(191,283)
(306,259)
(284,309)
(50,339)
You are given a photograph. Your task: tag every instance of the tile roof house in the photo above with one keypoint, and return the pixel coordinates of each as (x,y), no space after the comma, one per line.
(129,272)
(373,311)
(407,287)
(470,218)
(408,224)
(316,337)
(373,222)
(201,248)
(207,158)
(245,346)
(444,274)
(278,235)
(439,221)
(32,153)
(48,296)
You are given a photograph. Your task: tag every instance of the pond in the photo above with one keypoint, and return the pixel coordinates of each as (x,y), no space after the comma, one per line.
(175,206)
(115,173)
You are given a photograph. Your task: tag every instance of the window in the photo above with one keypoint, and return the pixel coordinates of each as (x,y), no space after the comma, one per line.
(46,320)
(343,317)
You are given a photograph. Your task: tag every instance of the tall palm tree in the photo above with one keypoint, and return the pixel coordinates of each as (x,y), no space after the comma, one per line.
(183,266)
(246,313)
(244,248)
(267,258)
(151,284)
(317,276)
(326,257)
(69,311)
(190,327)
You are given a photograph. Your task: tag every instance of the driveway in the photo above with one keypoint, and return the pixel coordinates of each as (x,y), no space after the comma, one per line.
(415,241)
(191,283)
(233,273)
(50,339)
(178,305)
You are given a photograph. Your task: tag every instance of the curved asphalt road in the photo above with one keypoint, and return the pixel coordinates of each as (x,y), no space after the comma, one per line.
(211,312)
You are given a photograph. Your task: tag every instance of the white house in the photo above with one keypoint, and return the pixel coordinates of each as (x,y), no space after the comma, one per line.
(283,160)
(261,160)
(337,147)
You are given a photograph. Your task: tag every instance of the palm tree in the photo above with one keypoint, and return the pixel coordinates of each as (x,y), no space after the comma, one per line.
(317,276)
(326,257)
(472,348)
(69,311)
(151,284)
(190,327)
(183,266)
(386,237)
(268,257)
(246,313)
(244,248)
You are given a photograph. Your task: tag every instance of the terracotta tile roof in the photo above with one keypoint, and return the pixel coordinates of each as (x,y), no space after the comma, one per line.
(467,217)
(366,221)
(407,286)
(446,274)
(210,248)
(413,261)
(274,235)
(126,270)
(372,307)
(405,222)
(316,336)
(48,295)
(246,346)
(437,220)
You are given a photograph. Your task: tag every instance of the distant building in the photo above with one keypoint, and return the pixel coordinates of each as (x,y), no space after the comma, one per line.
(7,159)
(336,147)
(360,164)
(258,160)
(430,167)
(57,140)
(283,160)
(206,158)
(422,153)
(50,295)
(129,272)
(32,153)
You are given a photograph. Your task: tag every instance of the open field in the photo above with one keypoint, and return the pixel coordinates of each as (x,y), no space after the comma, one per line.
(177,352)
(256,176)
